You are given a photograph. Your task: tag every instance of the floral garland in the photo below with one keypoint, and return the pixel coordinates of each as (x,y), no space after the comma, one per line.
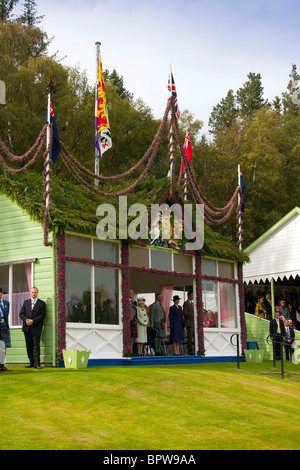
(125,299)
(60,294)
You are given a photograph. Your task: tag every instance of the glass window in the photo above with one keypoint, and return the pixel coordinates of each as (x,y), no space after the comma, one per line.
(210,304)
(183,263)
(4,277)
(106,251)
(78,246)
(209,267)
(226,269)
(106,296)
(161,260)
(21,278)
(139,257)
(227,305)
(78,293)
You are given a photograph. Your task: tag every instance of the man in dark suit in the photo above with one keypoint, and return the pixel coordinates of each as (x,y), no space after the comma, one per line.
(33,313)
(277,333)
(290,336)
(4,331)
(188,317)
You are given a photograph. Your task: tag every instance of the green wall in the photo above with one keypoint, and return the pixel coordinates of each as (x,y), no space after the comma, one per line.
(22,238)
(258,330)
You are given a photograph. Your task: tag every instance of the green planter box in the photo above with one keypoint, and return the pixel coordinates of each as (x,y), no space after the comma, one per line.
(76,359)
(254,355)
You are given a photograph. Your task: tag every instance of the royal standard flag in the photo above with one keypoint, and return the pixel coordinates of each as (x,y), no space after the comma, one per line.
(103,137)
(172,89)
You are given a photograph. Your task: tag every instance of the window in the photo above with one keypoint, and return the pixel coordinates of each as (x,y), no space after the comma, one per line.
(92,292)
(106,296)
(106,251)
(78,293)
(210,304)
(16,281)
(161,260)
(219,298)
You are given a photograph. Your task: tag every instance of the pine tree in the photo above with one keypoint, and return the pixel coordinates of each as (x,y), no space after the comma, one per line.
(6,7)
(29,15)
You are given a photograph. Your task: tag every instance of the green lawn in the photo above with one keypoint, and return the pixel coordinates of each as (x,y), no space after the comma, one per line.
(188,407)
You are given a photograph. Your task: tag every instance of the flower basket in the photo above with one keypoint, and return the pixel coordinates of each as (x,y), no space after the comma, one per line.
(74,359)
(254,355)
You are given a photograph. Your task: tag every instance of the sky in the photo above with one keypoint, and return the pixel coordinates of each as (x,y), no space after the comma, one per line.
(211,45)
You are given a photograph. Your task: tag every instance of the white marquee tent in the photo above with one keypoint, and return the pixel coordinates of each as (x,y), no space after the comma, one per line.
(276,254)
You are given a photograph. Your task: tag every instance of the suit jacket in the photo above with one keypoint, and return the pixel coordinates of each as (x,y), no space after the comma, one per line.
(273,328)
(37,315)
(157,313)
(188,314)
(6,311)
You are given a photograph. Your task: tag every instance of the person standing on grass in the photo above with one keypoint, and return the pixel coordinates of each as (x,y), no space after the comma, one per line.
(33,313)
(4,331)
(142,321)
(277,333)
(176,324)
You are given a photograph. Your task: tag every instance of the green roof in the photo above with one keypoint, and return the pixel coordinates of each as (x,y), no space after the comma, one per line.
(74,207)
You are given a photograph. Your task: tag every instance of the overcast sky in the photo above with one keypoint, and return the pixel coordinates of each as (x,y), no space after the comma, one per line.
(211,44)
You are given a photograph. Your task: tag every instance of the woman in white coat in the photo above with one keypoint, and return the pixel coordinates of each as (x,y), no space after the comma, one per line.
(142,321)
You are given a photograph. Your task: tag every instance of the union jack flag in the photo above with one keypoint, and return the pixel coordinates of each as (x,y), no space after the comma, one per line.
(172,89)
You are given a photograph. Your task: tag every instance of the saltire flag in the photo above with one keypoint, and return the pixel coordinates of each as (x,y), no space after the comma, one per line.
(187,149)
(103,136)
(242,184)
(55,151)
(172,89)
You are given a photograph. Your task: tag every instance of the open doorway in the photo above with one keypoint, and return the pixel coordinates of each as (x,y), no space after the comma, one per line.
(147,285)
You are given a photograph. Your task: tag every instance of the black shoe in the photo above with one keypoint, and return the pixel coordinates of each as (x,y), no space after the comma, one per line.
(37,367)
(29,366)
(4,369)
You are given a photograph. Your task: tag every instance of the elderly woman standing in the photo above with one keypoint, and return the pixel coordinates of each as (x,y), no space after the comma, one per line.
(142,321)
(176,324)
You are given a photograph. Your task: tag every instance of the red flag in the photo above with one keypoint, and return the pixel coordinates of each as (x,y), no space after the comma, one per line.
(187,149)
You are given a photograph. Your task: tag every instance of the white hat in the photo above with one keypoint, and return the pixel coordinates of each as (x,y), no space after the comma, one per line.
(141,300)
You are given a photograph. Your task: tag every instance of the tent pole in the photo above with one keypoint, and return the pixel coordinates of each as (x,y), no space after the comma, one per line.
(273,297)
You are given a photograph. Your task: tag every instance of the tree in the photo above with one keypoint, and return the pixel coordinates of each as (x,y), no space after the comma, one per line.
(291,98)
(224,113)
(250,96)
(6,7)
(29,15)
(118,81)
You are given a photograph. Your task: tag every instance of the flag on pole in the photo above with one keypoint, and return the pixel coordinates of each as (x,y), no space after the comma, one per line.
(242,183)
(103,136)
(55,151)
(172,89)
(187,149)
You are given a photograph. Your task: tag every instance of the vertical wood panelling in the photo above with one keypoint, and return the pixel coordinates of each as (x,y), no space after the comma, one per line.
(22,238)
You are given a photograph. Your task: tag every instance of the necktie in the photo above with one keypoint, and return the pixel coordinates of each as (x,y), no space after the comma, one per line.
(1,308)
(278,323)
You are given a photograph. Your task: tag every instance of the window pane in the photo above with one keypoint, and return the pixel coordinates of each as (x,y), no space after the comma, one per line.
(20,290)
(161,260)
(78,293)
(4,278)
(228,305)
(106,251)
(21,277)
(226,269)
(139,257)
(209,267)
(210,304)
(183,263)
(78,246)
(106,296)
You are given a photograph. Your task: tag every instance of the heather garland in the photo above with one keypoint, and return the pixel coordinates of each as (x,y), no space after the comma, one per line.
(61,293)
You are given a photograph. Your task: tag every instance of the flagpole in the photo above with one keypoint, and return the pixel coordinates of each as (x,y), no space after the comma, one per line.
(239,201)
(171,140)
(97,155)
(48,155)
(185,193)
